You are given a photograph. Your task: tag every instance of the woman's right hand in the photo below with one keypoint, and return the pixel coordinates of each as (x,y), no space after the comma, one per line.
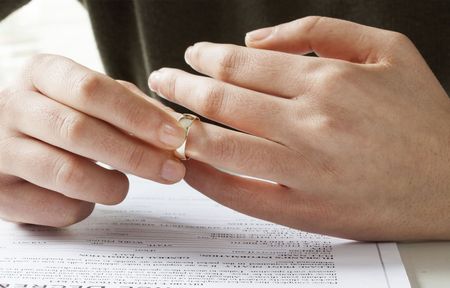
(56,120)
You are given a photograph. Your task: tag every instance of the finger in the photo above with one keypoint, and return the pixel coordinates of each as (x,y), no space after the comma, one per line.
(138,92)
(61,171)
(245,154)
(256,198)
(68,129)
(24,202)
(101,97)
(327,37)
(269,72)
(224,103)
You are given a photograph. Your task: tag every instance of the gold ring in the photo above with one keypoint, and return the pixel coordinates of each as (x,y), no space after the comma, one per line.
(186,121)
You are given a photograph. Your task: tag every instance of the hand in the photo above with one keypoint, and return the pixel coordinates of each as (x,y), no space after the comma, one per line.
(357,140)
(56,120)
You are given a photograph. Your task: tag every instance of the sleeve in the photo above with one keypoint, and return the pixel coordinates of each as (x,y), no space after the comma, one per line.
(9,6)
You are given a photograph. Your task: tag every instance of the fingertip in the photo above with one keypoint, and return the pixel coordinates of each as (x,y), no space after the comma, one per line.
(78,212)
(172,171)
(248,43)
(86,211)
(119,191)
(257,36)
(187,55)
(191,54)
(153,81)
(158,81)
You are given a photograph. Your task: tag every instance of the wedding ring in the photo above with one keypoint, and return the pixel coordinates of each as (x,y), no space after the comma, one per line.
(186,121)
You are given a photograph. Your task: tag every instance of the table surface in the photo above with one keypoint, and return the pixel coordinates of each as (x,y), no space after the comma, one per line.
(427,264)
(32,30)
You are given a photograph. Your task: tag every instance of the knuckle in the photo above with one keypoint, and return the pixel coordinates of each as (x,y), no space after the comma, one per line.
(171,82)
(309,23)
(327,84)
(72,127)
(335,76)
(230,149)
(135,158)
(398,47)
(333,120)
(330,119)
(135,116)
(326,122)
(398,38)
(228,61)
(396,43)
(86,86)
(68,171)
(227,148)
(212,99)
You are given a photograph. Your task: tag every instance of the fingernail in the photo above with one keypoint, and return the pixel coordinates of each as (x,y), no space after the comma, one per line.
(172,136)
(154,81)
(259,34)
(187,55)
(172,171)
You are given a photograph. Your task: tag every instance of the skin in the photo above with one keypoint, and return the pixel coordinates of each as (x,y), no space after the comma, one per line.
(354,143)
(56,120)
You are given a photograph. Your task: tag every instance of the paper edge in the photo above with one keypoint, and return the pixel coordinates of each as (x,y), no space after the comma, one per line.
(393,266)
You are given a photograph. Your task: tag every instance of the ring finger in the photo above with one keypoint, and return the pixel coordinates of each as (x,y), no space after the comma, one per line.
(244,154)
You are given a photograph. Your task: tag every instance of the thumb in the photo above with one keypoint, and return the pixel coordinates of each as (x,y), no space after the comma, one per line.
(327,37)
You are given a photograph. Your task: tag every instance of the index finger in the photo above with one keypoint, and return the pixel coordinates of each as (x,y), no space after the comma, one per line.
(327,37)
(100,96)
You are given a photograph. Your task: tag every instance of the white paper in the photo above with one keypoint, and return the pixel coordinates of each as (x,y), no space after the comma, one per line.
(172,236)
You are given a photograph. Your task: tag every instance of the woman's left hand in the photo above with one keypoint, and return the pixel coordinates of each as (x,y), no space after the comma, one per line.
(355,142)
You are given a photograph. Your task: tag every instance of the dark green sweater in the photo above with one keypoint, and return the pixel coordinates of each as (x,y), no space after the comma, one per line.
(137,36)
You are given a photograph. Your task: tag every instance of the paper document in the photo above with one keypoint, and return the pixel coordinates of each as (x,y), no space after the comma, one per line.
(173,236)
